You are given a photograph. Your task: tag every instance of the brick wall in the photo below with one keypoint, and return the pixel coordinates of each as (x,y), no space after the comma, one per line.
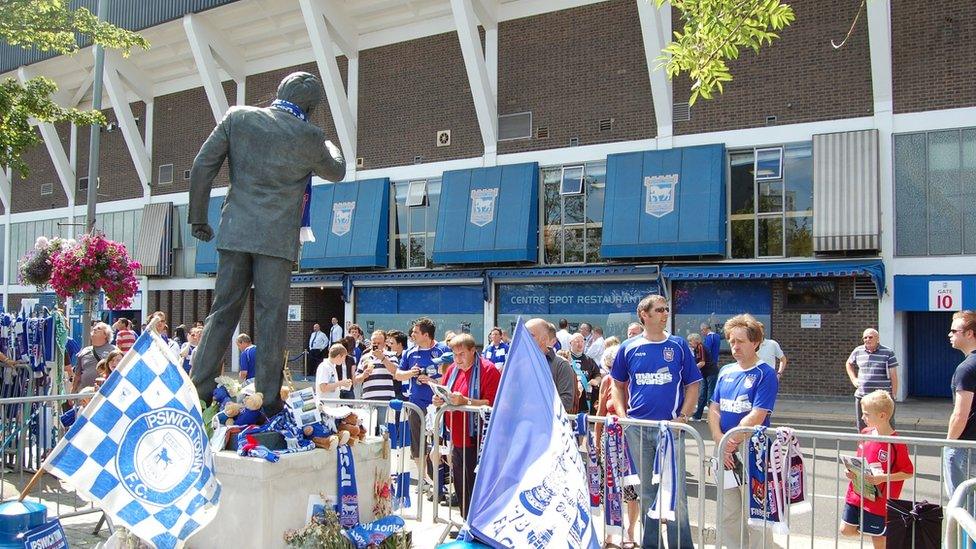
(800,77)
(117,173)
(26,193)
(573,68)
(409,91)
(933,54)
(817,356)
(181,306)
(183,121)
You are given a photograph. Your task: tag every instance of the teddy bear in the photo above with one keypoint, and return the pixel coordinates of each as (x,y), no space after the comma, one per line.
(351,425)
(247,413)
(323,437)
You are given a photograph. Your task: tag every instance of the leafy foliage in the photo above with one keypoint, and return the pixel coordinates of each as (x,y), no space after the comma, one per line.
(714,32)
(48,25)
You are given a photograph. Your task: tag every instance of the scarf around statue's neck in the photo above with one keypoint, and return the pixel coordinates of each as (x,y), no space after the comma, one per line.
(305,234)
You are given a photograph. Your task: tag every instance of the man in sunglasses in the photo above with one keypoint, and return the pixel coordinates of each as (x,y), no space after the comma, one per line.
(959,463)
(871,367)
(655,377)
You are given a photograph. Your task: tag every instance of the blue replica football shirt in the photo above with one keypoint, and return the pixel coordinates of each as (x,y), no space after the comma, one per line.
(739,392)
(420,393)
(657,373)
(497,354)
(248,358)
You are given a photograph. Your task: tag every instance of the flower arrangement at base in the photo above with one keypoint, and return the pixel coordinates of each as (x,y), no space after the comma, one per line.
(94,264)
(35,267)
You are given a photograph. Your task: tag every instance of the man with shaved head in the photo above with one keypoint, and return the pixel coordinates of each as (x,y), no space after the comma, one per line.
(562,372)
(871,367)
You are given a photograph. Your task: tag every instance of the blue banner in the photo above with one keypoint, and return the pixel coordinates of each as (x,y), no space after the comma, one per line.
(50,535)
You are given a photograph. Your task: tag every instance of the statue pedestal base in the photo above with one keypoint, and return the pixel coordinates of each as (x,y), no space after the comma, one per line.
(260,500)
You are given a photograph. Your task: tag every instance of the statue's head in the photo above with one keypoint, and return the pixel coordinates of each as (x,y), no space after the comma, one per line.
(302,89)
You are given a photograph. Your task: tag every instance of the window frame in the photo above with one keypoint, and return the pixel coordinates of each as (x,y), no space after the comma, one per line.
(411,233)
(585,225)
(811,308)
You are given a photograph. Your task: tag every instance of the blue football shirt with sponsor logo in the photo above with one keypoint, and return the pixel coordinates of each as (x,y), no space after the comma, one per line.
(656,373)
(739,391)
(420,393)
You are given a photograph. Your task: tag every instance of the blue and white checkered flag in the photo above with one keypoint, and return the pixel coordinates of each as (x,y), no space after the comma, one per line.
(139,450)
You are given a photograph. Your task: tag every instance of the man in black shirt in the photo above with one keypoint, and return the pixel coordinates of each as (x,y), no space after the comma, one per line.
(958,463)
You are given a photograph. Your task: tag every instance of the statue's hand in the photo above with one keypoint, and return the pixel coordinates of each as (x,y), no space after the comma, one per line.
(203,231)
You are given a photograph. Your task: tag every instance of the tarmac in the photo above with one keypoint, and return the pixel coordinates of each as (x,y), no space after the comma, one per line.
(924,417)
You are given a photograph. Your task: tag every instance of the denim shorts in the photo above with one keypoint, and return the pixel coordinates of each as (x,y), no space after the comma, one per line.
(872,525)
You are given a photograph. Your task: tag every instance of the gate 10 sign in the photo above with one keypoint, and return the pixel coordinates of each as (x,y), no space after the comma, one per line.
(945,295)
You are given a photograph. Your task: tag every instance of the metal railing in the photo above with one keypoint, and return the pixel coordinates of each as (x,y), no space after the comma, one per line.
(829,446)
(960,525)
(379,414)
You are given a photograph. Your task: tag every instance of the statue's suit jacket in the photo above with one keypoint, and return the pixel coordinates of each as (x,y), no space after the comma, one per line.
(270,153)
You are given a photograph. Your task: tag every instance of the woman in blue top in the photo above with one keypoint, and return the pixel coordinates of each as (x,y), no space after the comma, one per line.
(744,396)
(498,350)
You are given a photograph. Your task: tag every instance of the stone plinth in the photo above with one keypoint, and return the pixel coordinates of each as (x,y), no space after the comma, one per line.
(261,500)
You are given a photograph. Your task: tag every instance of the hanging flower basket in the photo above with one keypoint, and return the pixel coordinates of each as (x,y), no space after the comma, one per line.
(35,267)
(95,264)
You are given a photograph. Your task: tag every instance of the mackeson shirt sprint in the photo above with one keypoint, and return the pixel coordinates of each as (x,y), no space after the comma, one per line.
(656,373)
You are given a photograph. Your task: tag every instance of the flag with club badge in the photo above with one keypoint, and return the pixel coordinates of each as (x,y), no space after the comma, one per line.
(139,452)
(531,486)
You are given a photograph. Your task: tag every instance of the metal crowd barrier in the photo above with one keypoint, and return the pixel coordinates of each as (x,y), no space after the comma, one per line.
(923,486)
(378,413)
(442,454)
(30,429)
(960,525)
(694,453)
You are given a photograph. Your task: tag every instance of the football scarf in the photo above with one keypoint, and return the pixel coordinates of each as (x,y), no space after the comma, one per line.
(762,503)
(789,478)
(305,234)
(348,505)
(399,429)
(593,475)
(665,475)
(474,391)
(613,489)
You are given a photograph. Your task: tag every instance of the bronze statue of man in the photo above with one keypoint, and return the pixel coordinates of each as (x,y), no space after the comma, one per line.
(271,153)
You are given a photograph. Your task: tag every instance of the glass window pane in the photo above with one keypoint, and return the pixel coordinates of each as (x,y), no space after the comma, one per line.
(743,238)
(968,174)
(551,176)
(798,165)
(911,236)
(552,244)
(433,195)
(770,238)
(799,236)
(573,208)
(417,219)
(552,205)
(769,163)
(770,196)
(742,182)
(572,180)
(596,183)
(944,211)
(401,253)
(573,245)
(593,237)
(402,219)
(418,252)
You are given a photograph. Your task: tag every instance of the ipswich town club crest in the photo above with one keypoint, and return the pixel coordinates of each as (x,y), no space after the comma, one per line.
(342,217)
(161,455)
(659,194)
(668,354)
(483,206)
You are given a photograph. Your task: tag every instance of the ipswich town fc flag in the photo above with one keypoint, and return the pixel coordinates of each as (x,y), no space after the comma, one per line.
(139,452)
(531,486)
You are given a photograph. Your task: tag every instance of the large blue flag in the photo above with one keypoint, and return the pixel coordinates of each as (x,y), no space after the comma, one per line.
(139,451)
(531,486)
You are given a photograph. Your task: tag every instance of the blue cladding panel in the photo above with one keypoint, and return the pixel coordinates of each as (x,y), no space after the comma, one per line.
(420,300)
(690,221)
(206,261)
(507,233)
(365,243)
(912,292)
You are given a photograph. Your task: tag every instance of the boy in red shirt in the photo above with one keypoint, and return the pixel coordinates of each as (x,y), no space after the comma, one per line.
(887,466)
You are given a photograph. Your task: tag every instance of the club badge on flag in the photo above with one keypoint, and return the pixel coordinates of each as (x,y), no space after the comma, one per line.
(139,452)
(531,489)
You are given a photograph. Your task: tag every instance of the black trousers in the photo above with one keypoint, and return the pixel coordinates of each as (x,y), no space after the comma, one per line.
(312,362)
(463,462)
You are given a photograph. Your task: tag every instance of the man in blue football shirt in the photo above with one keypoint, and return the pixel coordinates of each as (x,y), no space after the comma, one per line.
(418,367)
(659,373)
(248,355)
(744,396)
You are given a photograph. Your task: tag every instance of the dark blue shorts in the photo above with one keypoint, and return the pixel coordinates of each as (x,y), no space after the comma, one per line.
(871,524)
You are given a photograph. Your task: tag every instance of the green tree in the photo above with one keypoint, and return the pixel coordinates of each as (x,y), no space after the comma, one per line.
(714,32)
(50,26)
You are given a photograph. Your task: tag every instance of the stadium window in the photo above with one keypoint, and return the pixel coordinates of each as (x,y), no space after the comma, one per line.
(572,212)
(415,217)
(771,202)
